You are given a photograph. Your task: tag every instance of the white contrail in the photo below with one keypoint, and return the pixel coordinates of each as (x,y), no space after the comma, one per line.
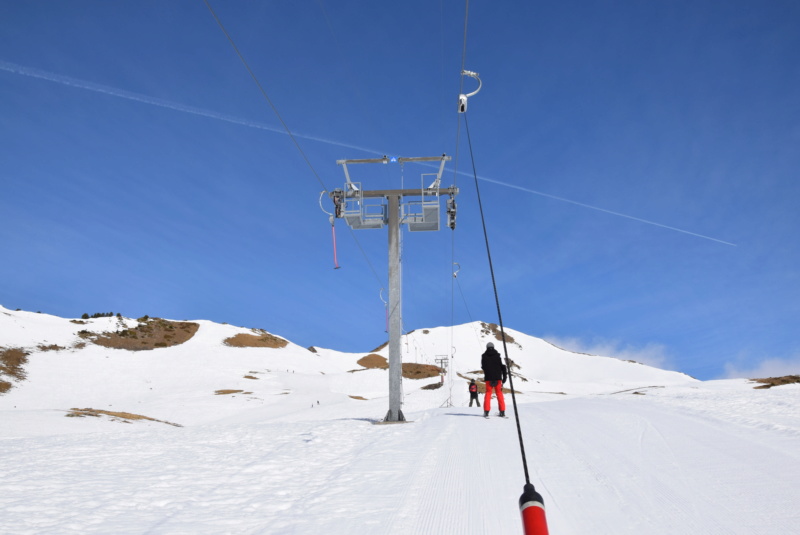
(584,205)
(129,95)
(121,93)
(562,199)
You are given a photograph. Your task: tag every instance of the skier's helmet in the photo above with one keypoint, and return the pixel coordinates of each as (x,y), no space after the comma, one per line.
(490,345)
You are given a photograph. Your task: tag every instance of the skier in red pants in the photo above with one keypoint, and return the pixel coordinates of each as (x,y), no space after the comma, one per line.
(495,375)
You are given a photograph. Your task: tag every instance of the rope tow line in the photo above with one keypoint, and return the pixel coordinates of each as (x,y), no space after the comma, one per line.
(291,135)
(264,93)
(531,503)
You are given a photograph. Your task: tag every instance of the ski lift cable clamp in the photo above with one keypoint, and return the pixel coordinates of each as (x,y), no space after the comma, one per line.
(463,97)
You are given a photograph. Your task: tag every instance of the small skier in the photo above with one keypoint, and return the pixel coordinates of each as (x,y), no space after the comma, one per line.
(473,393)
(495,375)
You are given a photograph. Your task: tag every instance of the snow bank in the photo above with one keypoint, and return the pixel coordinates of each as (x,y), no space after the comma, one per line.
(614,447)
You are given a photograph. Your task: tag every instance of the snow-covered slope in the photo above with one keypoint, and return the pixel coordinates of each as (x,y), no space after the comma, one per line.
(179,383)
(613,446)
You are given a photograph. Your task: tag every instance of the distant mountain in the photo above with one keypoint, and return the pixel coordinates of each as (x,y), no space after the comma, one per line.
(186,372)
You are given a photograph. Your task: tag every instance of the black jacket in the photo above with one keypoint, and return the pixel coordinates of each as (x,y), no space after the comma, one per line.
(493,367)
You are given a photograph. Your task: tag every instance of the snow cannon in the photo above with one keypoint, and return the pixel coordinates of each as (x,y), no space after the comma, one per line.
(531,506)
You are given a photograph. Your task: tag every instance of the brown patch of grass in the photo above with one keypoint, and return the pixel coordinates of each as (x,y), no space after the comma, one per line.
(312,349)
(432,386)
(150,334)
(115,416)
(373,361)
(261,338)
(12,365)
(769,382)
(51,347)
(12,361)
(359,398)
(380,347)
(226,392)
(78,322)
(492,328)
(519,376)
(412,370)
(250,377)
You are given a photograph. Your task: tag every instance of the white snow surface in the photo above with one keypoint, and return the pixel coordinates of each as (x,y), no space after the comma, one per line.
(612,446)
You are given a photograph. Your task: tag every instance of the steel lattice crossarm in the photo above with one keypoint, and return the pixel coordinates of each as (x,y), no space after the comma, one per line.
(353,202)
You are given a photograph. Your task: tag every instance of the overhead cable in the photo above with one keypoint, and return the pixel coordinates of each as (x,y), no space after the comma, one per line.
(285,126)
(531,503)
(264,92)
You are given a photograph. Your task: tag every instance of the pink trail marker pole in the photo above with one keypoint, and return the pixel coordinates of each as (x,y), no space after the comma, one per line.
(333,233)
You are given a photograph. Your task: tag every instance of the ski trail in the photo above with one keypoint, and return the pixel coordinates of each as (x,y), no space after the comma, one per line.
(558,461)
(331,491)
(686,475)
(423,480)
(658,450)
(462,483)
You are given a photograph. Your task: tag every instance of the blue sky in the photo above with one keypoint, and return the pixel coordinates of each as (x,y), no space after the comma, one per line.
(638,165)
